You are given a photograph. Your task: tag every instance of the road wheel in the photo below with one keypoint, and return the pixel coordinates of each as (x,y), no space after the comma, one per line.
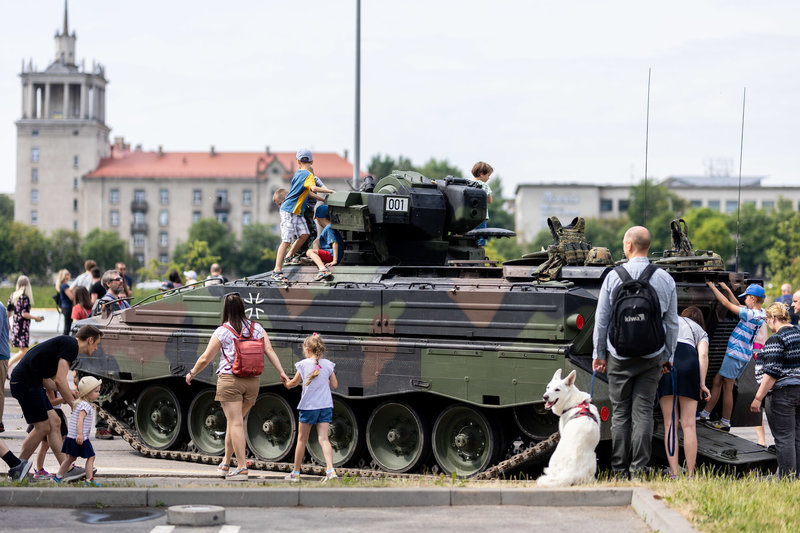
(270,427)
(207,423)
(159,417)
(396,437)
(463,441)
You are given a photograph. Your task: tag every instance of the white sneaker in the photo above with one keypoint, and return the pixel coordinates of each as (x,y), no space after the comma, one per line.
(329,475)
(294,476)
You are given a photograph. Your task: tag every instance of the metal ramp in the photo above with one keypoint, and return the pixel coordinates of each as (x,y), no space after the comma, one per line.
(722,448)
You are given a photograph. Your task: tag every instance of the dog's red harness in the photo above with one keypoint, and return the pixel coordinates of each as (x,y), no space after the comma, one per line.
(583,410)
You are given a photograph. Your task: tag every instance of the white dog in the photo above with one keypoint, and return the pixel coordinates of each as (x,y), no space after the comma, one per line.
(574,460)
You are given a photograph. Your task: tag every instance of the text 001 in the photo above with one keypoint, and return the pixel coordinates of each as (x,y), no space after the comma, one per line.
(397,204)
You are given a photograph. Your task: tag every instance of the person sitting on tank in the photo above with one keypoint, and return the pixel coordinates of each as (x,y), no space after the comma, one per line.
(45,366)
(294,230)
(328,249)
(114,285)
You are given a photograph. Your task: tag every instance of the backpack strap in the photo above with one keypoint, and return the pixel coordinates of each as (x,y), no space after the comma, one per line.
(648,272)
(623,274)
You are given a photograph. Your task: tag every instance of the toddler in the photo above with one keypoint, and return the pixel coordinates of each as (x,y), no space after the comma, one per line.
(77,444)
(316,403)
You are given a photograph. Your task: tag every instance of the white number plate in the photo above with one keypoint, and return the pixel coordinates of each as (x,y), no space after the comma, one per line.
(396,204)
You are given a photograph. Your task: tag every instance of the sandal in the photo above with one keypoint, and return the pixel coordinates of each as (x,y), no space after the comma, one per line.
(322,274)
(279,276)
(292,261)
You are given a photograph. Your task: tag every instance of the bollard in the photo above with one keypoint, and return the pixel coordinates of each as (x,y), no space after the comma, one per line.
(195,515)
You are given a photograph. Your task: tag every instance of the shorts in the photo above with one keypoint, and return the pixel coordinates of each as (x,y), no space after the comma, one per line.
(325,255)
(292,226)
(232,388)
(32,400)
(731,367)
(316,416)
(61,417)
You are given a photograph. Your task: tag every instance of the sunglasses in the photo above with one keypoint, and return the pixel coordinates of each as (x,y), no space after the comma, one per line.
(115,279)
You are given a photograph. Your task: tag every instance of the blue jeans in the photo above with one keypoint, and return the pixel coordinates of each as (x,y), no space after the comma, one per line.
(481,240)
(783,414)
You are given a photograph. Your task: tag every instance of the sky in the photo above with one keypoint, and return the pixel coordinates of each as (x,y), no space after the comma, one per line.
(545,91)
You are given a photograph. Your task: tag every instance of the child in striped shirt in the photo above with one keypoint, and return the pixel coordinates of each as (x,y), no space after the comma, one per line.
(76,444)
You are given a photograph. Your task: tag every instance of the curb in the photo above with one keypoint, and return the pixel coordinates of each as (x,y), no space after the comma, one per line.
(650,508)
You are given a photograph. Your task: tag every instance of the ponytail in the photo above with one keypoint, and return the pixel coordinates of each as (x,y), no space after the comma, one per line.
(316,348)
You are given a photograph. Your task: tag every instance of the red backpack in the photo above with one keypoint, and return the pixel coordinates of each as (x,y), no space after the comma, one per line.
(249,354)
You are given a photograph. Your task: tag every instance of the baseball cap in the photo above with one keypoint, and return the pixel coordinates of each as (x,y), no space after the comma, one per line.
(321,212)
(305,156)
(87,384)
(754,290)
(190,274)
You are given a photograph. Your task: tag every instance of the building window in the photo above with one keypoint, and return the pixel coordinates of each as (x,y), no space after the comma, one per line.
(195,216)
(222,217)
(767,204)
(138,240)
(75,161)
(222,195)
(139,258)
(34,196)
(713,204)
(113,196)
(138,217)
(75,184)
(34,218)
(34,175)
(34,155)
(623,205)
(696,203)
(75,225)
(35,133)
(74,204)
(730,206)
(197,197)
(247,197)
(163,217)
(164,195)
(606,205)
(163,258)
(163,239)
(138,195)
(114,218)
(247,218)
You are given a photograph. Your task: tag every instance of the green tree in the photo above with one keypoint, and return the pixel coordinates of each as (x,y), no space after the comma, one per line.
(608,233)
(6,249)
(754,227)
(499,216)
(709,230)
(199,257)
(65,251)
(257,250)
(381,167)
(784,254)
(502,249)
(661,207)
(220,241)
(29,249)
(6,208)
(105,247)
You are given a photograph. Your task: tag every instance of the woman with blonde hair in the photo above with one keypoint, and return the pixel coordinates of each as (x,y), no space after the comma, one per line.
(19,306)
(66,297)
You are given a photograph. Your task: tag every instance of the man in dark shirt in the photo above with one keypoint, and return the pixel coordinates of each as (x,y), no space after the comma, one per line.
(46,366)
(97,291)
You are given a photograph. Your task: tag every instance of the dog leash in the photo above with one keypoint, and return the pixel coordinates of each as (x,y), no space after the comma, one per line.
(672,434)
(591,391)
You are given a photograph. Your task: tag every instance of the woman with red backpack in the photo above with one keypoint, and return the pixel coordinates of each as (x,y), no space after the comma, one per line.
(243,344)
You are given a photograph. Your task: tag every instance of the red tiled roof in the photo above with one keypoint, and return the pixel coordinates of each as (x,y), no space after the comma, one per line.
(127,164)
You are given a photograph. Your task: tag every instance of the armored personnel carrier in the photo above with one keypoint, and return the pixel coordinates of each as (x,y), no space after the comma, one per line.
(442,356)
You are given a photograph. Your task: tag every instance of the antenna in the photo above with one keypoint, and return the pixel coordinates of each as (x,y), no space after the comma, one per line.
(739,200)
(646,145)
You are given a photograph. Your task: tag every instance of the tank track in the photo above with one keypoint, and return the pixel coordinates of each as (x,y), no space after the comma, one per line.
(533,455)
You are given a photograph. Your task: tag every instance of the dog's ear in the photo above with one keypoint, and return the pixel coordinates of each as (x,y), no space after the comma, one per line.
(557,375)
(570,378)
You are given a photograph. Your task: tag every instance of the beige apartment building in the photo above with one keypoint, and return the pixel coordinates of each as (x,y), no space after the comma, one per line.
(535,202)
(70,177)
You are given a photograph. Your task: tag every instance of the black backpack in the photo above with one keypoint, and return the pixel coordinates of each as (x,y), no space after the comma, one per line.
(636,327)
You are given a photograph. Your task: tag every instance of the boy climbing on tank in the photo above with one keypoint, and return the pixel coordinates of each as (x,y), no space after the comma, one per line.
(293,226)
(328,249)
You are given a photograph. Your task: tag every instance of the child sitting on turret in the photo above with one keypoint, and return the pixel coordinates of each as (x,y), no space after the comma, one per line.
(328,249)
(739,351)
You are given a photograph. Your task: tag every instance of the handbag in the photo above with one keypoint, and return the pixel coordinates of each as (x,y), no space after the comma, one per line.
(248,354)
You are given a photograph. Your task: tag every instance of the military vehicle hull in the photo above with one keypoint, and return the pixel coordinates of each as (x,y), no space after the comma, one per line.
(438,366)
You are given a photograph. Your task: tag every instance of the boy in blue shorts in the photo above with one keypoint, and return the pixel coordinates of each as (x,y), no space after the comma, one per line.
(293,225)
(326,251)
(739,351)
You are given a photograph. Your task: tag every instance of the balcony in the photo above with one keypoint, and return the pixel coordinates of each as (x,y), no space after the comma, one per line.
(139,227)
(222,206)
(139,205)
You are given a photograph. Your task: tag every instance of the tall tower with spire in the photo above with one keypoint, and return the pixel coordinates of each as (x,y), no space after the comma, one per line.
(61,136)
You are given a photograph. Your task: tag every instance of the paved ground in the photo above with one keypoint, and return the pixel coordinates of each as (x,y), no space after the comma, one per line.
(479,519)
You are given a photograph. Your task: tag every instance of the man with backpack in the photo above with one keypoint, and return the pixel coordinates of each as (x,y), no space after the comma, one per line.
(635,333)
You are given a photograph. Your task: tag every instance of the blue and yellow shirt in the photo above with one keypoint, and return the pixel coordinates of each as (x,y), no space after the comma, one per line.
(295,201)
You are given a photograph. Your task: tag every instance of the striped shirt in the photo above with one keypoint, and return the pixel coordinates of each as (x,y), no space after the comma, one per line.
(72,427)
(781,357)
(740,343)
